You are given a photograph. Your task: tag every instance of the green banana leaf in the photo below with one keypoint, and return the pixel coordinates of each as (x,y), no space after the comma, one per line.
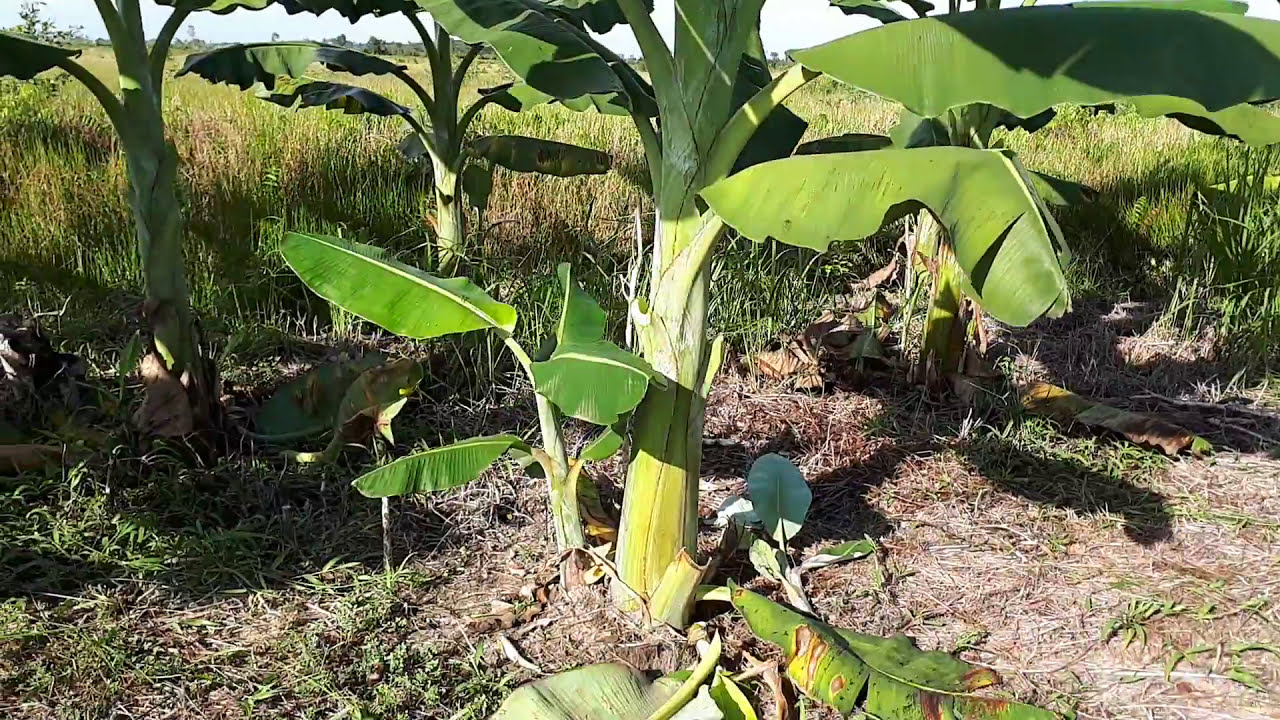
(436,469)
(1252,125)
(247,65)
(518,97)
(1224,6)
(849,142)
(24,58)
(586,376)
(599,15)
(546,157)
(1026,60)
(477,184)
(362,280)
(893,678)
(336,96)
(1060,192)
(1010,248)
(616,692)
(350,9)
(780,132)
(606,443)
(881,9)
(780,496)
(307,404)
(553,57)
(594,692)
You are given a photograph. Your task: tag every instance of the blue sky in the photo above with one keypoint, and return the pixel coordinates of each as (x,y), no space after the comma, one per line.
(788,24)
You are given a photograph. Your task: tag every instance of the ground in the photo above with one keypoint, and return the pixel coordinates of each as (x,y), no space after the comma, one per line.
(1098,577)
(173,580)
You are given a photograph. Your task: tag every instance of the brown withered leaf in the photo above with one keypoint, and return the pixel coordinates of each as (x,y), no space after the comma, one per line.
(166,409)
(1062,404)
(881,276)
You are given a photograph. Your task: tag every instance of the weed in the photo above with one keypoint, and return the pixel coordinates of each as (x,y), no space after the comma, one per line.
(1131,624)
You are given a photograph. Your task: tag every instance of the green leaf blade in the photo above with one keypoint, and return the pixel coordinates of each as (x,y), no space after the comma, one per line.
(1025,60)
(1010,249)
(336,96)
(436,469)
(780,496)
(544,157)
(246,65)
(402,299)
(24,58)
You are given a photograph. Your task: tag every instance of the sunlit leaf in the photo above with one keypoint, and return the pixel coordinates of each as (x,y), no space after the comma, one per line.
(886,678)
(436,469)
(405,300)
(1011,251)
(780,496)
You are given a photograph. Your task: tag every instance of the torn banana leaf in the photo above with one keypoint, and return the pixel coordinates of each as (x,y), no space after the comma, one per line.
(1062,404)
(306,406)
(885,678)
(370,403)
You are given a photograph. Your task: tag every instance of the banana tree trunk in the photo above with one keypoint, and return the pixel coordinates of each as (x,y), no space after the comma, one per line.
(943,347)
(152,164)
(450,220)
(660,504)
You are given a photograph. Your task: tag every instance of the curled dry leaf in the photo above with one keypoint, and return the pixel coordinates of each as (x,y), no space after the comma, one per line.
(512,653)
(166,410)
(1062,404)
(881,276)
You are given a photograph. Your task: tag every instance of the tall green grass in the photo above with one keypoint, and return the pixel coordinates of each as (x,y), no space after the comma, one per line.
(253,171)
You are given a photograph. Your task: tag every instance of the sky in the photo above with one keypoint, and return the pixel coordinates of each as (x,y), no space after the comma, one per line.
(787,24)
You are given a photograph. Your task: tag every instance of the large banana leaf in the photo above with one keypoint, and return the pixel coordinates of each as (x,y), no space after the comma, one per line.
(1026,60)
(552,56)
(1253,125)
(519,97)
(616,692)
(599,15)
(893,678)
(780,132)
(24,58)
(336,96)
(849,142)
(1224,6)
(351,9)
(588,377)
(248,65)
(881,9)
(403,299)
(1009,247)
(436,469)
(546,157)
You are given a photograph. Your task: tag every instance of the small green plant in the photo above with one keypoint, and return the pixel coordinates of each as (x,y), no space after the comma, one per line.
(576,373)
(769,521)
(1131,624)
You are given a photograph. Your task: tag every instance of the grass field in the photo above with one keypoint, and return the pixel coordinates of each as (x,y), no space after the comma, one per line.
(1101,578)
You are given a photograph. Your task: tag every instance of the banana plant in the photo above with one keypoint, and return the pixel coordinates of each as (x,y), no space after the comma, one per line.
(438,127)
(182,393)
(952,308)
(576,373)
(713,125)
